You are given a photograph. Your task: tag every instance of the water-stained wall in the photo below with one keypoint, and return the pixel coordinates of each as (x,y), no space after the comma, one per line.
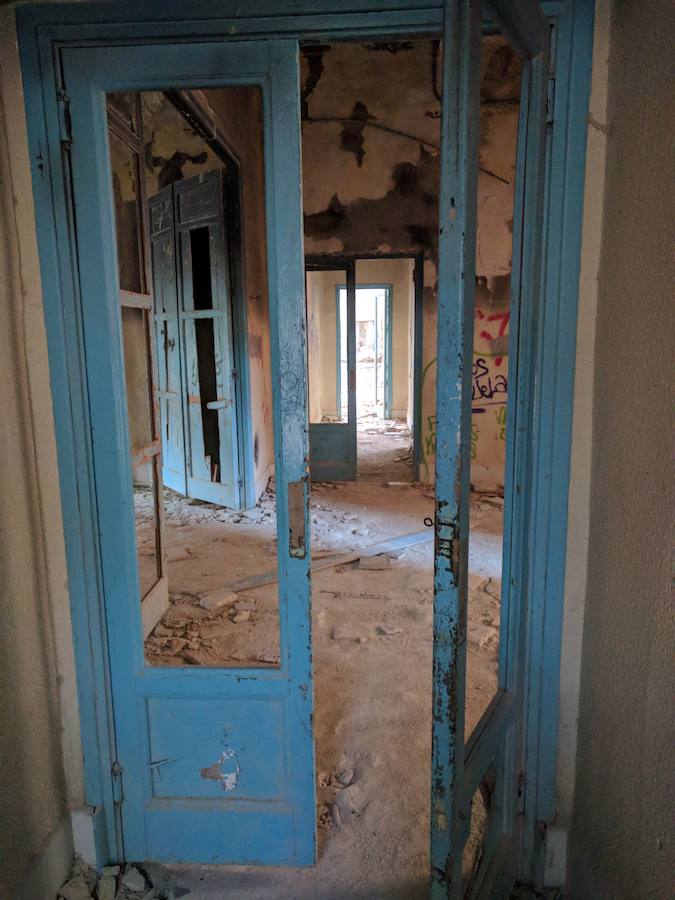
(371,137)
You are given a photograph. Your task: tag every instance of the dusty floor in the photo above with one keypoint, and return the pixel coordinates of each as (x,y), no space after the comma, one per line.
(372,636)
(383,450)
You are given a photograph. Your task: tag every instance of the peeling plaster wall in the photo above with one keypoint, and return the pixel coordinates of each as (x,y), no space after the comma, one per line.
(173,152)
(371,117)
(41,766)
(621,836)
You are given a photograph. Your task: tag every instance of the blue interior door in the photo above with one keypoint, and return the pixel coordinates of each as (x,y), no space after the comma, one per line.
(206,316)
(212,764)
(476,783)
(331,363)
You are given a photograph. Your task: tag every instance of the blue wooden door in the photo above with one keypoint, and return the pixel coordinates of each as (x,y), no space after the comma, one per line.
(192,285)
(211,764)
(477,782)
(332,437)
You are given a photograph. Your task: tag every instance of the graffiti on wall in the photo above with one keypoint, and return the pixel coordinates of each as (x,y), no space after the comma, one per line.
(489,387)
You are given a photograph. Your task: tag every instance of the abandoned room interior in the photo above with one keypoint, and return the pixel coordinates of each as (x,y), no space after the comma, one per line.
(312,444)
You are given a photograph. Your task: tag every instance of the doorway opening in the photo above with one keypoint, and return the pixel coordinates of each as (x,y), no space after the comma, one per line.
(372,548)
(371,364)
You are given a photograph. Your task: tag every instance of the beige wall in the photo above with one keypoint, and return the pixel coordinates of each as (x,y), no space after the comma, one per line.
(621,838)
(39,734)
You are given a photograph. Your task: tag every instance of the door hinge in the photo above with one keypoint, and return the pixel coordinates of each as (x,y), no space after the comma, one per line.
(235,374)
(521,793)
(118,792)
(65,126)
(550,101)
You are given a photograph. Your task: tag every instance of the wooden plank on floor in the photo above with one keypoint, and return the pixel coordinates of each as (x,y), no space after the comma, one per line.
(329,562)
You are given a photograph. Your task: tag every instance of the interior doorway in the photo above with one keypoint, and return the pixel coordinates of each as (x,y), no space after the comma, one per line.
(379,364)
(168,694)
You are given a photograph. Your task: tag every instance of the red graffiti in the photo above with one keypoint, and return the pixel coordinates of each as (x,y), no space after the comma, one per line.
(503,319)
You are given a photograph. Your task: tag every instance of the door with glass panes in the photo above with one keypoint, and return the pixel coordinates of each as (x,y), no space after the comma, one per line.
(193,314)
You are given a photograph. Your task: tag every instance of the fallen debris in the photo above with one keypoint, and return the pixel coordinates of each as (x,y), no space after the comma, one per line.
(348,633)
(388,630)
(217,598)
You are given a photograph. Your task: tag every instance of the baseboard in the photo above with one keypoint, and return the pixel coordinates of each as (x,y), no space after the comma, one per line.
(51,868)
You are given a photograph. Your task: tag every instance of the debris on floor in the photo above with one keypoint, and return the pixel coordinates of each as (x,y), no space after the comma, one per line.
(372,659)
(129,882)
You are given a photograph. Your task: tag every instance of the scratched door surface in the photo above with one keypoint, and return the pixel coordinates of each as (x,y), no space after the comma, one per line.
(212,765)
(331,363)
(477,790)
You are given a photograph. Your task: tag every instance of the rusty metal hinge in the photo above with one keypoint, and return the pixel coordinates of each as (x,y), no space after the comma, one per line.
(118,791)
(65,125)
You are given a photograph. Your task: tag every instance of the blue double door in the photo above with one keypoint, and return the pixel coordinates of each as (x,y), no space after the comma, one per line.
(216,765)
(192,287)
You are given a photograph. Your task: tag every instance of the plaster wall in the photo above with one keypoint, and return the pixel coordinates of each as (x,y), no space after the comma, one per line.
(41,769)
(621,836)
(371,135)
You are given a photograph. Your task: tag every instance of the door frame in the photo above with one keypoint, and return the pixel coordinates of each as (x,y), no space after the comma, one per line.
(42,30)
(387,357)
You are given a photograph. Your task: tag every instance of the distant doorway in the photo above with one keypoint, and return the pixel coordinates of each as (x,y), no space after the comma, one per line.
(363,344)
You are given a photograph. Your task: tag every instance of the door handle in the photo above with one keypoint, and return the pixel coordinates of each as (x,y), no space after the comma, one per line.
(296,519)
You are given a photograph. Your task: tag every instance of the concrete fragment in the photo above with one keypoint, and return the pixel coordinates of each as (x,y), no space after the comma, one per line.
(247,603)
(217,598)
(242,615)
(177,644)
(106,888)
(111,870)
(477,582)
(388,630)
(268,656)
(335,815)
(374,562)
(345,777)
(161,631)
(348,633)
(133,880)
(75,889)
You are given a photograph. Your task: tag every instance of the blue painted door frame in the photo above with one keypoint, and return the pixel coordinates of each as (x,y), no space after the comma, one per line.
(45,28)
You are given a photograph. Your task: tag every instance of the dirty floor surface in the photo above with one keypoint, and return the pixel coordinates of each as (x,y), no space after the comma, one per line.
(372,640)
